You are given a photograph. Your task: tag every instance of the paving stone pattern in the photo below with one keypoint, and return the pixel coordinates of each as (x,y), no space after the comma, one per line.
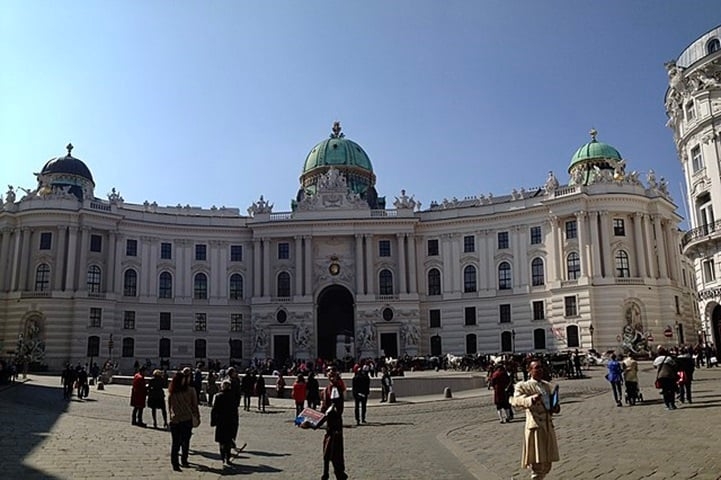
(43,436)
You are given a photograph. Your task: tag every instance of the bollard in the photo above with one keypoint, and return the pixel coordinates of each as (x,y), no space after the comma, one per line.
(447,392)
(101,385)
(392,397)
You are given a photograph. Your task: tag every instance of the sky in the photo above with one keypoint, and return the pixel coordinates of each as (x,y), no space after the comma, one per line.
(218,102)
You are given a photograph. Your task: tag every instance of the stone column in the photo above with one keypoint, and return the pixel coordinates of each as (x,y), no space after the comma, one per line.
(401,239)
(370,273)
(412,270)
(119,250)
(110,270)
(72,254)
(14,271)
(4,263)
(597,254)
(455,265)
(491,268)
(144,274)
(582,243)
(307,243)
(266,268)
(25,255)
(153,246)
(556,250)
(81,282)
(519,261)
(661,244)
(447,267)
(359,263)
(257,292)
(298,241)
(607,231)
(650,253)
(640,246)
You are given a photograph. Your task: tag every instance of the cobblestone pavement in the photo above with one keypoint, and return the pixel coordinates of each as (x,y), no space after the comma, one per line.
(42,436)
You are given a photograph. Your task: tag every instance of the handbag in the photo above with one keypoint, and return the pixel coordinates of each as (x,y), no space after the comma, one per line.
(196,421)
(657,383)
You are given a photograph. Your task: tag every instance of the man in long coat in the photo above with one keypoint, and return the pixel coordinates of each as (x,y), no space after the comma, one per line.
(540,447)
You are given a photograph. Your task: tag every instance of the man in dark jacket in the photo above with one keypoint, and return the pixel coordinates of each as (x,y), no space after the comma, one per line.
(361,389)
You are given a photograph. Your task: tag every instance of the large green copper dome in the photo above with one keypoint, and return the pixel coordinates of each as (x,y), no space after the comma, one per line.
(594,150)
(337,151)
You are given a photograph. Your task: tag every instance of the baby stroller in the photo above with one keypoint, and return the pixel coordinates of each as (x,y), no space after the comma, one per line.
(633,394)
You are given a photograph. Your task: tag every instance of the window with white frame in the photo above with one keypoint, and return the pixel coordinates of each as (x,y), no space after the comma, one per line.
(469,279)
(570,305)
(469,244)
(690,111)
(709,271)
(536,236)
(573,266)
(539,310)
(504,313)
(236,322)
(571,229)
(696,159)
(201,322)
(537,274)
(622,265)
(504,276)
(434,281)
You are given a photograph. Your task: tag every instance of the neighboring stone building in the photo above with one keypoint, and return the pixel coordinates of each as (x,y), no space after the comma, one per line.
(693,104)
(591,263)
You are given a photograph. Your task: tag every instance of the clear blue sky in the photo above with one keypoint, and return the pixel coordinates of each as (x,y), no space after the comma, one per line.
(217,102)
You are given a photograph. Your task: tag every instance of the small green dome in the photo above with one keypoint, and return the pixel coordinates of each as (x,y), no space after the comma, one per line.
(594,150)
(337,151)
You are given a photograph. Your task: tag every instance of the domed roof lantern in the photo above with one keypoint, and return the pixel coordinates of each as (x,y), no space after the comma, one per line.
(582,168)
(68,171)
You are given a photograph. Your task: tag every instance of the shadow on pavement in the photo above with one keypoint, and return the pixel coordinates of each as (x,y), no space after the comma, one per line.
(30,411)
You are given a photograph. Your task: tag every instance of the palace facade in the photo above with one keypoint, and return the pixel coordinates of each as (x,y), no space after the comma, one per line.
(589,262)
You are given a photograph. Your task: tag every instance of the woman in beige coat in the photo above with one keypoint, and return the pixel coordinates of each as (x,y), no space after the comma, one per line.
(540,447)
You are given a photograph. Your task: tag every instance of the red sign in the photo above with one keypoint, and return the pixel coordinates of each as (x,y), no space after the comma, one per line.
(650,338)
(668,332)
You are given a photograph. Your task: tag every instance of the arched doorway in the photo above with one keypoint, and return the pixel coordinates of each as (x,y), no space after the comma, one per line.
(335,317)
(716,329)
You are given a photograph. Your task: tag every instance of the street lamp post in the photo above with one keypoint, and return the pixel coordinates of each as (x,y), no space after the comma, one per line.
(590,330)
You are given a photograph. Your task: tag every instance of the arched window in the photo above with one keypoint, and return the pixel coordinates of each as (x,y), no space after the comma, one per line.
(469,279)
(200,286)
(622,268)
(573,266)
(94,279)
(713,45)
(506,342)
(471,344)
(539,339)
(200,348)
(130,283)
(128,347)
(164,348)
(165,285)
(284,284)
(572,336)
(537,276)
(93,346)
(236,286)
(385,282)
(434,281)
(42,278)
(504,276)
(436,345)
(236,348)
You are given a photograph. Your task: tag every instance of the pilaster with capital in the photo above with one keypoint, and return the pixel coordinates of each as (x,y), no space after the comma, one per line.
(412,269)
(117,268)
(455,264)
(266,267)
(607,231)
(555,250)
(640,245)
(446,255)
(661,244)
(80,283)
(72,254)
(14,271)
(370,274)
(519,263)
(594,227)
(401,238)
(25,258)
(298,242)
(650,252)
(490,267)
(257,256)
(4,254)
(359,263)
(110,269)
(582,242)
(308,245)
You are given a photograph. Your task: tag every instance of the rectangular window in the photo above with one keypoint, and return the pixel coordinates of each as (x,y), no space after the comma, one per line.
(433,247)
(201,322)
(236,322)
(96,317)
(131,248)
(539,310)
(536,236)
(709,271)
(678,305)
(571,307)
(696,159)
(502,240)
(129,320)
(384,248)
(619,227)
(469,244)
(236,253)
(690,111)
(571,229)
(96,243)
(164,321)
(201,252)
(434,317)
(470,315)
(504,313)
(166,251)
(46,240)
(283,251)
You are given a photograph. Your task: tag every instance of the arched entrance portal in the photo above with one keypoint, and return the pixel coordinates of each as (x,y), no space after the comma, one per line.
(335,317)
(716,329)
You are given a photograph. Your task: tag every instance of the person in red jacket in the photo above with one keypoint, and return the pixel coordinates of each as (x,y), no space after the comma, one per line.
(137,397)
(299,393)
